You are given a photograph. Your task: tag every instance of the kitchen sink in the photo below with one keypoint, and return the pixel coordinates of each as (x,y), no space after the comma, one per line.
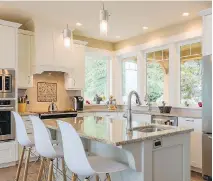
(150,129)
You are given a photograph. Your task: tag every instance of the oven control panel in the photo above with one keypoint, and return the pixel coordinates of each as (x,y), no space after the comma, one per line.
(5,102)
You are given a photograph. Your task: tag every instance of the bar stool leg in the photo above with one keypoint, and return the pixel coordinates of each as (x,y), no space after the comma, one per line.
(19,164)
(50,174)
(108,177)
(97,178)
(74,177)
(40,169)
(63,170)
(26,164)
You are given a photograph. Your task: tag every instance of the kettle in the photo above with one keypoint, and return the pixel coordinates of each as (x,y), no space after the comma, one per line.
(52,107)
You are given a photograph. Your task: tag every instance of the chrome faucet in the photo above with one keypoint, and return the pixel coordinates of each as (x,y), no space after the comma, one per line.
(129,109)
(148,102)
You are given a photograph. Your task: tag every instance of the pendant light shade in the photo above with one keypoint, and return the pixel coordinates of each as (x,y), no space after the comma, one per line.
(67,35)
(104,17)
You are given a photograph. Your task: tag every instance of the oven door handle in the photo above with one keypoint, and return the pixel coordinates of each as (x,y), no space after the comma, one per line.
(6,108)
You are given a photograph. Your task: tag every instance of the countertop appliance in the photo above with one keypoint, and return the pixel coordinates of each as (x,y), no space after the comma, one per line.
(7,124)
(52,107)
(166,120)
(57,114)
(207,117)
(7,83)
(78,103)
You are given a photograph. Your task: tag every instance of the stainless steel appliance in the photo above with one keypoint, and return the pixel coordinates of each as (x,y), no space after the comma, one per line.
(166,120)
(57,114)
(207,117)
(78,103)
(7,83)
(7,124)
(52,107)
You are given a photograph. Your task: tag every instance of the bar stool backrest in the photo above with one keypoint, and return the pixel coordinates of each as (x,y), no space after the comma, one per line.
(21,133)
(42,139)
(74,154)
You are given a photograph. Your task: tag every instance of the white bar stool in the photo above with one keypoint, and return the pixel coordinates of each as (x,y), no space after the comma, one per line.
(77,161)
(45,148)
(25,142)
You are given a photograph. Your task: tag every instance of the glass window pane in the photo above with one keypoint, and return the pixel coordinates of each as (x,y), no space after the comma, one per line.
(196,48)
(95,77)
(157,71)
(129,78)
(184,50)
(191,77)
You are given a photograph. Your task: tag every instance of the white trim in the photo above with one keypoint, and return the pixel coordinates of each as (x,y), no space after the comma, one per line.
(79,42)
(178,68)
(99,51)
(26,32)
(206,12)
(161,42)
(10,24)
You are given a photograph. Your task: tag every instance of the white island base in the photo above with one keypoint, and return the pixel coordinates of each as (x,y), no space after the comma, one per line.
(163,159)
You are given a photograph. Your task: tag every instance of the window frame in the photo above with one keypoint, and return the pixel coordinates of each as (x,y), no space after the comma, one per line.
(179,44)
(154,49)
(102,53)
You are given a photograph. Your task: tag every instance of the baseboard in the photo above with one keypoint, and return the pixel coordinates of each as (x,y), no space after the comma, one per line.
(5,165)
(195,169)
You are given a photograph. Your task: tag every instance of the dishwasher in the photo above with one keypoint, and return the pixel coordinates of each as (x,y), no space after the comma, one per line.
(165,120)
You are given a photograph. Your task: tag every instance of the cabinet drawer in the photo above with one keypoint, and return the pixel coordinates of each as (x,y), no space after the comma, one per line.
(196,124)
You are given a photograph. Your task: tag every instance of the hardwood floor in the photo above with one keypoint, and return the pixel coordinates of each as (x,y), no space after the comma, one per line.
(8,174)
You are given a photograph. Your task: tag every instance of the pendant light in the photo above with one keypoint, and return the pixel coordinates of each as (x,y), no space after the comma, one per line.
(104,17)
(67,35)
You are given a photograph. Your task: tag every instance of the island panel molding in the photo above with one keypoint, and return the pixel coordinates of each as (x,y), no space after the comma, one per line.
(46,92)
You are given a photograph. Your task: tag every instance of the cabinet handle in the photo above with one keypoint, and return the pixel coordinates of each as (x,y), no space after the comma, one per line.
(210,137)
(74,81)
(189,120)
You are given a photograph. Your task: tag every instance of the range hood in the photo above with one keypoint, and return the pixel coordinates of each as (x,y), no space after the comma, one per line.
(50,53)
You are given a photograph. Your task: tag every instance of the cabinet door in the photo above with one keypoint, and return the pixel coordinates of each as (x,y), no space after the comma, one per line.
(8,152)
(78,67)
(7,47)
(44,46)
(62,54)
(196,139)
(24,61)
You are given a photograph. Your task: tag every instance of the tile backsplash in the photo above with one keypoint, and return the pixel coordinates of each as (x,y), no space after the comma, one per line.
(63,97)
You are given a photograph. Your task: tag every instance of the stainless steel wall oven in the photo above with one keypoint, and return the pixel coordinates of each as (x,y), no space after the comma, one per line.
(7,83)
(7,124)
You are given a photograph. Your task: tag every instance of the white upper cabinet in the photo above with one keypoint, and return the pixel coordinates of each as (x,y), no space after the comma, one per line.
(7,47)
(62,55)
(76,78)
(25,56)
(44,55)
(207,32)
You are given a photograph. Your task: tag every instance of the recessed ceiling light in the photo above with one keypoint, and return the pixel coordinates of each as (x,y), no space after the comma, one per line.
(117,36)
(185,14)
(145,27)
(78,24)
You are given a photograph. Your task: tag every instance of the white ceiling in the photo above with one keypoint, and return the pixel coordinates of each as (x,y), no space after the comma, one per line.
(126,20)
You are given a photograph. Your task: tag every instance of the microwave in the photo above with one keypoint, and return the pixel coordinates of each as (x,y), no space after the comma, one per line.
(7,83)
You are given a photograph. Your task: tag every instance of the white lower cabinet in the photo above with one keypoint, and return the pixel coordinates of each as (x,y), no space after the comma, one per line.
(196,139)
(8,153)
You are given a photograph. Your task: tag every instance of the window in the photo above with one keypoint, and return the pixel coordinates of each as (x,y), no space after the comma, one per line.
(190,81)
(129,77)
(157,75)
(96,77)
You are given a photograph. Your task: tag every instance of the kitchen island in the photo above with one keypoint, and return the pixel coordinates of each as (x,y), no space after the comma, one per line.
(162,155)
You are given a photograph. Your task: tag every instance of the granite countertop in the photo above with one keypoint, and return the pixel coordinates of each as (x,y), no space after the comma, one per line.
(155,113)
(113,131)
(27,113)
